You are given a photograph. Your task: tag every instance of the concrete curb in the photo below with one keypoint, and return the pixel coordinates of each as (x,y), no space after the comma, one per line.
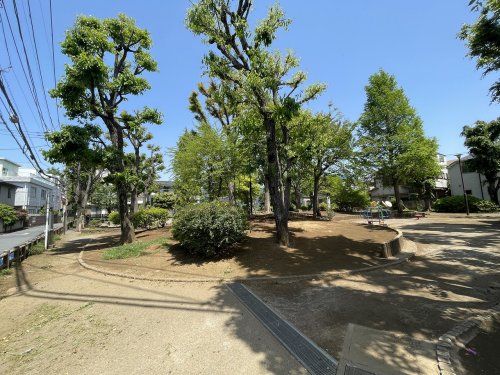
(403,258)
(457,337)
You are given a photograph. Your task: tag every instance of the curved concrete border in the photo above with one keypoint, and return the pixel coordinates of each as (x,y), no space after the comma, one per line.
(458,337)
(401,258)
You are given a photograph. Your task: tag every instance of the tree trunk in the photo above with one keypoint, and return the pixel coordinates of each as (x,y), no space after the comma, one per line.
(315,198)
(127,228)
(133,201)
(279,193)
(493,192)
(297,196)
(397,195)
(267,196)
(251,196)
(230,194)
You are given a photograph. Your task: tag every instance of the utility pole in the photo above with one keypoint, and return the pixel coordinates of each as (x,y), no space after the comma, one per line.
(463,186)
(47,218)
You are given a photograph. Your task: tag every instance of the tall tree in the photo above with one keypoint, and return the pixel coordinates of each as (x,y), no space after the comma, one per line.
(107,59)
(392,137)
(483,142)
(264,79)
(483,39)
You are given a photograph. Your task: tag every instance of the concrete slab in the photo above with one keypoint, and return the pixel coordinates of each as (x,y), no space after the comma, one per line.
(371,351)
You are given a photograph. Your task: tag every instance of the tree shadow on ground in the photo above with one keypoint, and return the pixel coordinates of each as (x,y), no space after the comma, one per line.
(260,255)
(423,299)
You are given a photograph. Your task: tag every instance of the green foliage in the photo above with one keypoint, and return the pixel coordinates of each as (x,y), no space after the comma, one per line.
(483,142)
(37,248)
(152,217)
(344,195)
(482,39)
(456,203)
(203,164)
(392,137)
(209,229)
(130,250)
(8,214)
(164,200)
(104,196)
(114,217)
(5,272)
(94,223)
(323,206)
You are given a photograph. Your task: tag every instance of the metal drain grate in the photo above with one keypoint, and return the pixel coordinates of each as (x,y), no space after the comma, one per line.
(313,358)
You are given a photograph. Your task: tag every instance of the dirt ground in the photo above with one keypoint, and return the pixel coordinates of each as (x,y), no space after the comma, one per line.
(316,247)
(450,280)
(64,319)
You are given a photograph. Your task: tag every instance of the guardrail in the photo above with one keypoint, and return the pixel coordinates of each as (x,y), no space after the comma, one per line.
(19,253)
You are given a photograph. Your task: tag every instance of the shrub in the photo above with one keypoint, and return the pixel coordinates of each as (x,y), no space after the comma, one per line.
(114,217)
(323,206)
(456,203)
(152,217)
(210,228)
(95,223)
(164,200)
(8,215)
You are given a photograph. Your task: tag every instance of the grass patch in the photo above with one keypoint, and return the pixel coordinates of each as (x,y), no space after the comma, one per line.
(131,250)
(37,248)
(5,272)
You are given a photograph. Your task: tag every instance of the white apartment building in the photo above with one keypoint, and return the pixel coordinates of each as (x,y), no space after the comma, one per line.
(31,191)
(474,182)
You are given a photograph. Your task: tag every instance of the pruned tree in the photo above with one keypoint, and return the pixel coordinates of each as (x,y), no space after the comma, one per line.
(483,141)
(107,60)
(82,151)
(138,136)
(264,79)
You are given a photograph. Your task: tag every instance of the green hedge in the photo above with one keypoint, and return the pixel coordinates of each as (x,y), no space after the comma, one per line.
(456,203)
(8,215)
(114,217)
(210,228)
(152,217)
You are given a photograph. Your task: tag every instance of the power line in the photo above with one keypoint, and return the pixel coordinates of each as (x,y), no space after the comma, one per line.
(29,80)
(38,64)
(53,57)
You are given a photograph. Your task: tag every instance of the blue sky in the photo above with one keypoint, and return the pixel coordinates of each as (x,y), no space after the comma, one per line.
(340,43)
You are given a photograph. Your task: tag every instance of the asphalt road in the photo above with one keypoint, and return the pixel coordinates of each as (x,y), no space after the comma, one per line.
(13,239)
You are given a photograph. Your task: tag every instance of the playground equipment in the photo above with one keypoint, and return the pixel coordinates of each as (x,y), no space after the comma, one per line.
(374,214)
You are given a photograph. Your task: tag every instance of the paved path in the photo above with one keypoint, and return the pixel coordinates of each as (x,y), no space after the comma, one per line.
(70,320)
(10,240)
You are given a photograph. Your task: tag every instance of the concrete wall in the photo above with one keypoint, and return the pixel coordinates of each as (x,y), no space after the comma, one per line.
(473,181)
(4,194)
(8,168)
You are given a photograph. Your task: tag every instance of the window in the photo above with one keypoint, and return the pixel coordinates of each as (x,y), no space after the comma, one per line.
(9,193)
(5,171)
(33,192)
(468,192)
(44,194)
